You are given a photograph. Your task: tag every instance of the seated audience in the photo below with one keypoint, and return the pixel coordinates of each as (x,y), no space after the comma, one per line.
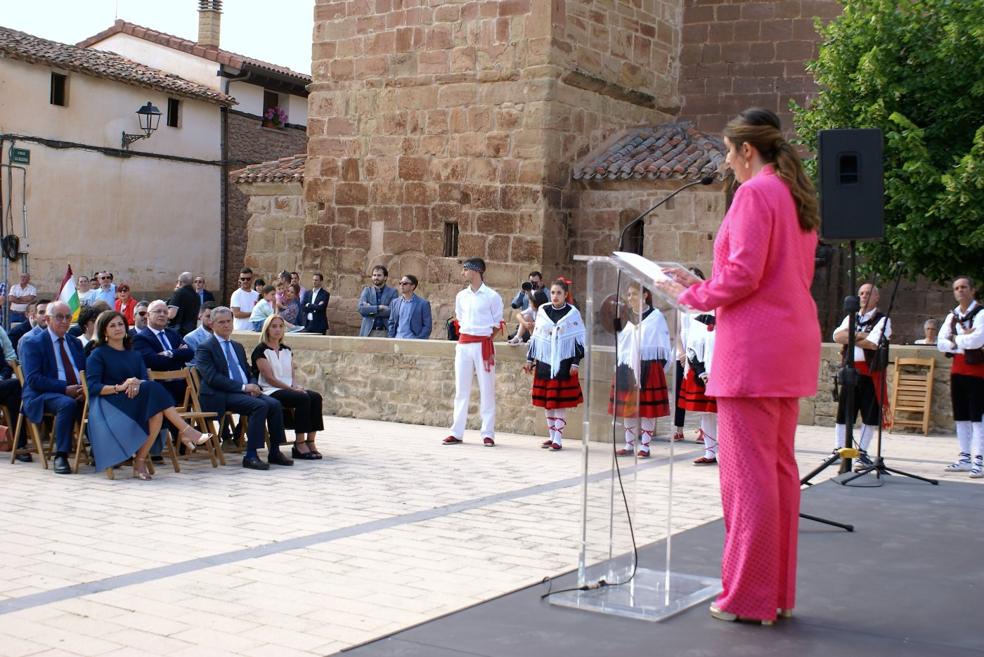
(931,328)
(125,304)
(139,316)
(204,330)
(10,390)
(35,318)
(125,409)
(410,315)
(86,324)
(274,367)
(162,349)
(228,385)
(526,318)
(52,360)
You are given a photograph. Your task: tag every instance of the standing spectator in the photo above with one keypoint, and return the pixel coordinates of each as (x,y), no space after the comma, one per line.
(243,300)
(295,279)
(533,283)
(266,306)
(274,367)
(106,291)
(555,353)
(183,306)
(962,337)
(693,397)
(931,329)
(227,384)
(20,295)
(478,309)
(52,361)
(290,310)
(374,305)
(125,304)
(763,265)
(258,285)
(3,299)
(204,330)
(410,315)
(314,305)
(204,295)
(282,283)
(82,286)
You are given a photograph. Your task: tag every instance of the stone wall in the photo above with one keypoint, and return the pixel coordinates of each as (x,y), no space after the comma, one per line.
(275,228)
(743,53)
(412,381)
(468,114)
(249,143)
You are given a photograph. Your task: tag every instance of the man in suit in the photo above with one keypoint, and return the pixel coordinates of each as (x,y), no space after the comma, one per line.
(52,361)
(228,384)
(184,305)
(203,332)
(410,315)
(374,305)
(161,348)
(204,296)
(314,305)
(36,323)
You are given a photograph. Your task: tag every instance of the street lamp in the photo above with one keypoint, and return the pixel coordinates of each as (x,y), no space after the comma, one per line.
(149,117)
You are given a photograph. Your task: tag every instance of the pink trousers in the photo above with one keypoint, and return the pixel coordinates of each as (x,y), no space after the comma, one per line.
(760,493)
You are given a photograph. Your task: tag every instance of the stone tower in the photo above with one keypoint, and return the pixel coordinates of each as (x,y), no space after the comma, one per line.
(442,129)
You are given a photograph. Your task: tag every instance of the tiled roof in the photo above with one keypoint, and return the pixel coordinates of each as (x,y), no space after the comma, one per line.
(100,64)
(213,53)
(286,169)
(661,152)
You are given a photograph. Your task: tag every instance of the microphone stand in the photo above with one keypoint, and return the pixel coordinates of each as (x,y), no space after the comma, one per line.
(881,360)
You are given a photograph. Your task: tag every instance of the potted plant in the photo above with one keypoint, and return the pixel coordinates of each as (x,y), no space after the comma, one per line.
(274,117)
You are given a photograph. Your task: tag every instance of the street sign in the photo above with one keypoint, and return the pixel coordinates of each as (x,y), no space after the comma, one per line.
(20,155)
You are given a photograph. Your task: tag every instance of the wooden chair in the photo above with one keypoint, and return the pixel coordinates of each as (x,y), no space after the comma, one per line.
(203,420)
(81,437)
(913,392)
(34,431)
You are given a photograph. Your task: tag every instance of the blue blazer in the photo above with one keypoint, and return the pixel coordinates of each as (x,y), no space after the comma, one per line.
(41,380)
(317,305)
(368,308)
(149,347)
(420,317)
(213,367)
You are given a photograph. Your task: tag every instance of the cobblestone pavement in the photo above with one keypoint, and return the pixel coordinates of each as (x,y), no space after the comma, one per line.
(390,530)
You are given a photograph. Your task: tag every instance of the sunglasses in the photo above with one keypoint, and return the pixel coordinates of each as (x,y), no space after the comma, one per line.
(245,280)
(124,289)
(406,283)
(142,313)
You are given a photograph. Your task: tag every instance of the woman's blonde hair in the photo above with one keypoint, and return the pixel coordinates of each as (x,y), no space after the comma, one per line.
(760,128)
(266,328)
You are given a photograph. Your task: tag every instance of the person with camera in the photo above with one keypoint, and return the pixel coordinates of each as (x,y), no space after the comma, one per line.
(961,338)
(870,325)
(521,304)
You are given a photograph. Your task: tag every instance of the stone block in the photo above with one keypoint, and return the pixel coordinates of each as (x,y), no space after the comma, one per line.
(503,223)
(433,62)
(418,193)
(526,250)
(456,95)
(351,193)
(413,168)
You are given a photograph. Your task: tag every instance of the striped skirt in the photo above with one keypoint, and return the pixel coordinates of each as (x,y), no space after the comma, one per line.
(693,395)
(650,400)
(557,393)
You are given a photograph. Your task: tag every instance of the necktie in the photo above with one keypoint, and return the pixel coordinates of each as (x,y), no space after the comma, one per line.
(164,342)
(234,372)
(70,377)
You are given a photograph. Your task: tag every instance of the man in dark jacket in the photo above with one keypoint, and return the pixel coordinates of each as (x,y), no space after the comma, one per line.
(183,306)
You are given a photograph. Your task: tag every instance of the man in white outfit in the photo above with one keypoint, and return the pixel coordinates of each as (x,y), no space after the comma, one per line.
(478,309)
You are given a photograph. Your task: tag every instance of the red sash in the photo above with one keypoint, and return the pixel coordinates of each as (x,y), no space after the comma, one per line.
(488,350)
(878,379)
(960,366)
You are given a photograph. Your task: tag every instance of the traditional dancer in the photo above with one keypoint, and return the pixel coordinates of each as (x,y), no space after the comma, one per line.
(478,309)
(639,406)
(693,393)
(556,349)
(962,337)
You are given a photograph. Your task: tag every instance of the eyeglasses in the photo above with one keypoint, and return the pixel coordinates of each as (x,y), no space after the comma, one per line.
(406,283)
(61,318)
(142,313)
(124,289)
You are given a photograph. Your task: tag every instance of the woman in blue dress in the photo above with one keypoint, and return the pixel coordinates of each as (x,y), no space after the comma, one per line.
(125,409)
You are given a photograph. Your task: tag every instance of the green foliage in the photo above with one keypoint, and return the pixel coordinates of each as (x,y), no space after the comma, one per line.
(914,69)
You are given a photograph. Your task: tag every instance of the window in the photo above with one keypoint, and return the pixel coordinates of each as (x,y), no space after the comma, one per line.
(173,113)
(634,237)
(450,240)
(58,88)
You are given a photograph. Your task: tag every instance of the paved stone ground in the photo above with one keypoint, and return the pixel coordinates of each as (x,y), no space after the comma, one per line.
(392,529)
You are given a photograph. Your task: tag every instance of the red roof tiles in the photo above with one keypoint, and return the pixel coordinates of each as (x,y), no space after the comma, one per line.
(286,169)
(101,64)
(662,152)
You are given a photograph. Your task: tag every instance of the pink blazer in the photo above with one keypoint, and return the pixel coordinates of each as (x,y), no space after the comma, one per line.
(768,336)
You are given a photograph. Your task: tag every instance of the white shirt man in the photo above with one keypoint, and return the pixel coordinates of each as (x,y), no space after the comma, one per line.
(242,301)
(20,295)
(478,309)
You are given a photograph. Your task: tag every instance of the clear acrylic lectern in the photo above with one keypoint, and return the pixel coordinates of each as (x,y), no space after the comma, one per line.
(606,529)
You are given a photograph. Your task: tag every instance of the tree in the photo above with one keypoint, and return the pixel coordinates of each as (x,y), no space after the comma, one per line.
(914,69)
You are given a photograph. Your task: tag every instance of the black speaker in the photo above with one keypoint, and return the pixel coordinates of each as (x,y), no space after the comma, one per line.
(851,185)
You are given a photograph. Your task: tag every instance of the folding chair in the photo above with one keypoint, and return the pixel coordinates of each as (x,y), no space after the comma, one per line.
(193,414)
(82,434)
(33,430)
(912,394)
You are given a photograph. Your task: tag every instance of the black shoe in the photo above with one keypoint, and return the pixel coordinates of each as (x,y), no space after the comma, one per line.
(276,458)
(61,465)
(303,456)
(254,463)
(156,458)
(24,458)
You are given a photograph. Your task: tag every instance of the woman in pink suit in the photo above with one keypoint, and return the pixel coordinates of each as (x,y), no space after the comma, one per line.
(766,357)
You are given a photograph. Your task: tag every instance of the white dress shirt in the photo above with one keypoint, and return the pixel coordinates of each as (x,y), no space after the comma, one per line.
(478,312)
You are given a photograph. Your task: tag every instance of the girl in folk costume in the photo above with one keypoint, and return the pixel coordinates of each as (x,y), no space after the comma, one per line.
(639,407)
(556,349)
(693,392)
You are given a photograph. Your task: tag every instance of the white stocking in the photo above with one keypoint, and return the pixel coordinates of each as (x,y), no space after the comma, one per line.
(977,443)
(631,431)
(560,422)
(964,433)
(648,429)
(868,432)
(709,425)
(840,435)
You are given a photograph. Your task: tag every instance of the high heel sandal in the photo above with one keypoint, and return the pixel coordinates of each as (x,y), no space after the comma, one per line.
(313,450)
(191,445)
(140,468)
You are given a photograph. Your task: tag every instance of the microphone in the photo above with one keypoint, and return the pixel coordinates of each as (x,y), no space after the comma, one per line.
(706,180)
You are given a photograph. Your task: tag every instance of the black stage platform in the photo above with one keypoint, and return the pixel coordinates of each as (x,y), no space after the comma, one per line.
(908,582)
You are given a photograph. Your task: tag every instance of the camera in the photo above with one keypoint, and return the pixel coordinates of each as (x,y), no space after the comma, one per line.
(527,287)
